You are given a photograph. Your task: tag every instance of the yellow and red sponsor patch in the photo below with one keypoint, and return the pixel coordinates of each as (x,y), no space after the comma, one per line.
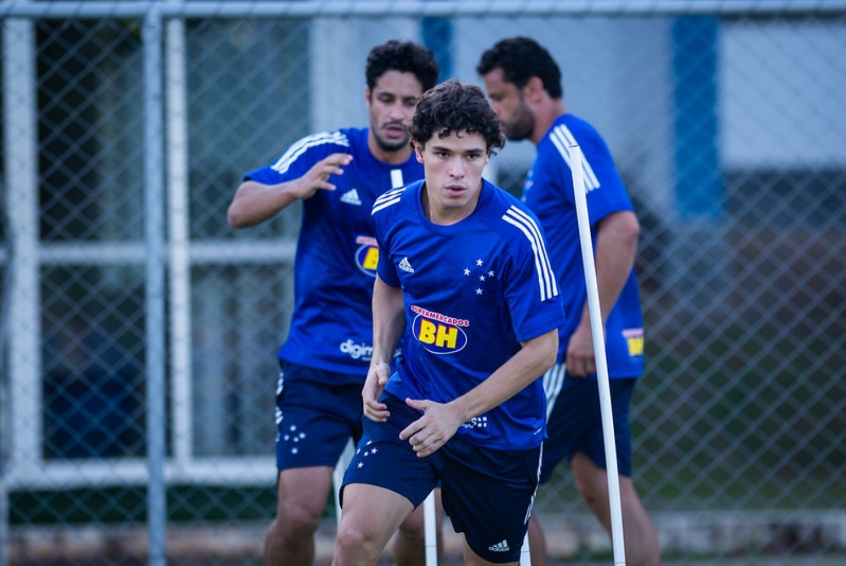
(367,255)
(634,340)
(438,333)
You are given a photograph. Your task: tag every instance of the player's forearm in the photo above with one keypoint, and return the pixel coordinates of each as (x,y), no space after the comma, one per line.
(533,360)
(388,321)
(255,203)
(616,247)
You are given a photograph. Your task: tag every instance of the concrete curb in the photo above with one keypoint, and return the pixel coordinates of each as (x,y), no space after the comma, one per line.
(709,533)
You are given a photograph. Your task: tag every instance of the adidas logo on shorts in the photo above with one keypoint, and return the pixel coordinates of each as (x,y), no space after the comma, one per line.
(501,546)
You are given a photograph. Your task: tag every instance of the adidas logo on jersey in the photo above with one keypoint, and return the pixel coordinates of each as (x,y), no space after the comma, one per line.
(405,265)
(351,197)
(500,547)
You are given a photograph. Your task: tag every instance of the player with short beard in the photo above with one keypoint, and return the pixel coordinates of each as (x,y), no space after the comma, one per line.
(524,87)
(338,175)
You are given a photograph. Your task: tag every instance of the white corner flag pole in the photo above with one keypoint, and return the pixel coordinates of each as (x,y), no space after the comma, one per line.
(598,334)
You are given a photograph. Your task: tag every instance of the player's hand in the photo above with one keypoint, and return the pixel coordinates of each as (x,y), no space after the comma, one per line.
(431,431)
(581,358)
(317,177)
(377,377)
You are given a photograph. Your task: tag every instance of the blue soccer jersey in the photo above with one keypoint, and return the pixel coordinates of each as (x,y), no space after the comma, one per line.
(473,291)
(331,327)
(548,192)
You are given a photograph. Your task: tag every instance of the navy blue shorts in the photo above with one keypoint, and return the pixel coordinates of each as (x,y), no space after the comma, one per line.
(314,420)
(487,494)
(574,421)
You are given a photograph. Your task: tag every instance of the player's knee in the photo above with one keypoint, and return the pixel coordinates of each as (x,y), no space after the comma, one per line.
(584,489)
(297,521)
(354,545)
(590,501)
(413,528)
(412,533)
(591,481)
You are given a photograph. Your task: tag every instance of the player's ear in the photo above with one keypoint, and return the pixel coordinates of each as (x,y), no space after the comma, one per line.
(533,89)
(367,96)
(418,151)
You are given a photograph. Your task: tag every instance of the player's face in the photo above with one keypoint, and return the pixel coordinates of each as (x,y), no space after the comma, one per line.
(515,116)
(453,167)
(391,104)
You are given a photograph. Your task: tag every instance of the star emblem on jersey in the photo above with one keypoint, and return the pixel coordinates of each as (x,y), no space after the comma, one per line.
(351,197)
(479,276)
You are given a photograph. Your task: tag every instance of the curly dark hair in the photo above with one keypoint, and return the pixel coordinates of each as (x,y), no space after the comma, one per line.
(405,57)
(455,107)
(520,59)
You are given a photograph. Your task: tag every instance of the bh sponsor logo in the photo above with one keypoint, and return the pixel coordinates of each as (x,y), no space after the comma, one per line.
(357,351)
(439,334)
(367,255)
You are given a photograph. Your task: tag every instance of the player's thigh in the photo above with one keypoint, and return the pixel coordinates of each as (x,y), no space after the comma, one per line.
(371,514)
(415,524)
(473,559)
(591,479)
(592,482)
(302,493)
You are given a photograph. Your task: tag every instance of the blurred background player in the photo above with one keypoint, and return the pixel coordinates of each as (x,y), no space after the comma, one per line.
(464,274)
(523,83)
(324,361)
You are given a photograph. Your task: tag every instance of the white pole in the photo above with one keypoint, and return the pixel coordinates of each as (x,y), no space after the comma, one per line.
(598,333)
(338,475)
(430,523)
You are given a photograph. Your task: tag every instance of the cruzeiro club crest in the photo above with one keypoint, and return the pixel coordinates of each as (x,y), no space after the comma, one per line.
(367,255)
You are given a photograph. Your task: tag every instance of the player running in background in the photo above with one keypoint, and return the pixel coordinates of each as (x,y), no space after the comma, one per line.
(523,83)
(324,360)
(464,273)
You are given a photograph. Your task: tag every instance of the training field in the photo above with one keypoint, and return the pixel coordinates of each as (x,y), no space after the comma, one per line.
(139,330)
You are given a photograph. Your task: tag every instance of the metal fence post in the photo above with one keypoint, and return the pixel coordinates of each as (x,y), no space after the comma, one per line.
(21,289)
(155,296)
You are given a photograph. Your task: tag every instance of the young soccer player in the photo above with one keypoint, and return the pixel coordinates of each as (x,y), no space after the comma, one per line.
(324,361)
(464,272)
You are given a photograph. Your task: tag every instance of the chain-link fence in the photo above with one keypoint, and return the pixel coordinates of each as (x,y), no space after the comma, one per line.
(139,329)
